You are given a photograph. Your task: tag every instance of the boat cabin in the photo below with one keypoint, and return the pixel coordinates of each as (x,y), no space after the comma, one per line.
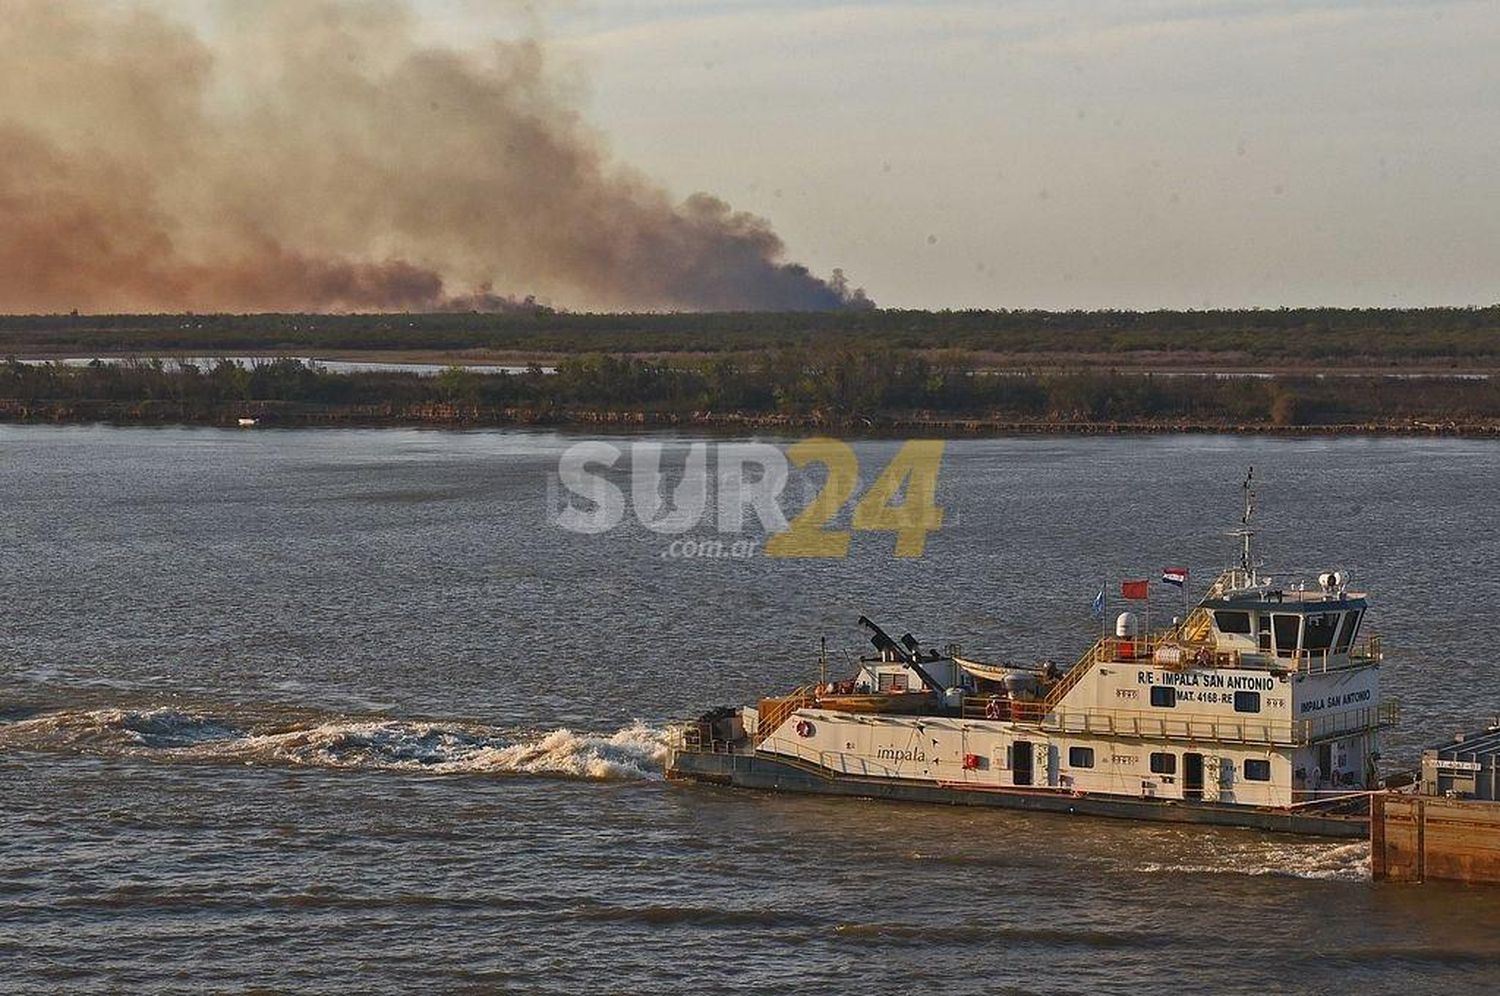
(1287,629)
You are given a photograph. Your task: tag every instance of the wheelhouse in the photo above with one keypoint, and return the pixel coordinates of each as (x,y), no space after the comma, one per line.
(1290,630)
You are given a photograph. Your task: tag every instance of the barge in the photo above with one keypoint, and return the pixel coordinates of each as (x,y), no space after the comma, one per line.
(1449,828)
(1260,707)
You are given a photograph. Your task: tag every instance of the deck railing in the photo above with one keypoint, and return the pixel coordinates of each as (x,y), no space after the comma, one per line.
(1160,725)
(1179,654)
(1386,714)
(690,739)
(774,712)
(1174,652)
(839,762)
(1321,661)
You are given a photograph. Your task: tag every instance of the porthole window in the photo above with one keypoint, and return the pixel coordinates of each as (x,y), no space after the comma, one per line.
(1164,764)
(1081,757)
(1247,701)
(1163,696)
(1257,770)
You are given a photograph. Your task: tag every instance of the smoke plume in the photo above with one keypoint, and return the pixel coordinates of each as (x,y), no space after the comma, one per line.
(314,155)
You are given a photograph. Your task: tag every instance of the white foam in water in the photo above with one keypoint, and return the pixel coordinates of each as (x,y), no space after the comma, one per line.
(1341,862)
(120,728)
(635,752)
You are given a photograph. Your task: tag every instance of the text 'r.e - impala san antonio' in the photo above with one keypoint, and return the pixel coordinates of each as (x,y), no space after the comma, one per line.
(1261,707)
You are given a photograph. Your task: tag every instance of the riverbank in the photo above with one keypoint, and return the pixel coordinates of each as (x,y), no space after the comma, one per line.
(897,392)
(1180,364)
(1276,340)
(288,415)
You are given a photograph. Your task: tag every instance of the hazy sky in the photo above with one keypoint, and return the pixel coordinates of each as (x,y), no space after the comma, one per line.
(1065,153)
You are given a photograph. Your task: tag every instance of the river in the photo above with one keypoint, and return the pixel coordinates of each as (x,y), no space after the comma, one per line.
(345,710)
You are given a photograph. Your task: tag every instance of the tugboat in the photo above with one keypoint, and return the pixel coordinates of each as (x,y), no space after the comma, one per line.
(1260,707)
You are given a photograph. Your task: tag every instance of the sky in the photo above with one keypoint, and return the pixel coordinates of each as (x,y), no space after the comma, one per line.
(1059,154)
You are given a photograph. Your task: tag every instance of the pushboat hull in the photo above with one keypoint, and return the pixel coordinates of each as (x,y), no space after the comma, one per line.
(767,773)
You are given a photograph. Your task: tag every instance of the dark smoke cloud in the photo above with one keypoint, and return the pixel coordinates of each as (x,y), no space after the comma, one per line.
(315,156)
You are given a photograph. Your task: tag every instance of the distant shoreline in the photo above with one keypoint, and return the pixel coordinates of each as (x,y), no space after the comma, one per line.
(1169,365)
(460,417)
(1278,340)
(798,392)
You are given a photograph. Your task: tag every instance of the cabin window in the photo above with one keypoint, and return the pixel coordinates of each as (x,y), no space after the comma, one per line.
(1081,757)
(1247,701)
(1346,635)
(1164,696)
(1257,770)
(1319,630)
(1164,764)
(1232,622)
(1288,628)
(893,682)
(1264,630)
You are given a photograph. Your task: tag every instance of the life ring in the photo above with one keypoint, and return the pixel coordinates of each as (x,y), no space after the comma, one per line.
(804,729)
(993,708)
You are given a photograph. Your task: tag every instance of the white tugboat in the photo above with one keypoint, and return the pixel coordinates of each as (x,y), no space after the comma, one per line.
(1260,707)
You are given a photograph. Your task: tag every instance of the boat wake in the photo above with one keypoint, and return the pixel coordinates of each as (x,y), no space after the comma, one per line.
(635,752)
(1327,862)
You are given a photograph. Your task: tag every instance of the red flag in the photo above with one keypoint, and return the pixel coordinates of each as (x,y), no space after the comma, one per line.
(1137,590)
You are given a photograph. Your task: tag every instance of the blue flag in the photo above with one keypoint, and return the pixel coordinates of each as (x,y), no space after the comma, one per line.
(1099,604)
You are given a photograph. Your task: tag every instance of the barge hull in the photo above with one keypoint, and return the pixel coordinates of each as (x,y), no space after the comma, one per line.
(759,771)
(1424,838)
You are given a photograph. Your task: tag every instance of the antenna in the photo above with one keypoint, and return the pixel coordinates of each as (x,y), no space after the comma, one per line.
(1249,488)
(1247,561)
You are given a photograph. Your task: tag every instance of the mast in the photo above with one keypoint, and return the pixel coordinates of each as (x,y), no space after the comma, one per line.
(1247,561)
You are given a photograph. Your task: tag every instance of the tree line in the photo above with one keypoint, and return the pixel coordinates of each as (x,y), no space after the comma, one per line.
(1337,336)
(843,384)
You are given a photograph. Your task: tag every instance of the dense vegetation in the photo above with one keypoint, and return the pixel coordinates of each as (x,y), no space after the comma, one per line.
(1346,337)
(842,386)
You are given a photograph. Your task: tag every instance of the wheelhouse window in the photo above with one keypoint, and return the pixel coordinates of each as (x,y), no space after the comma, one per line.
(1081,757)
(1350,630)
(1247,701)
(1232,622)
(1317,633)
(1257,770)
(1288,628)
(1164,764)
(1164,696)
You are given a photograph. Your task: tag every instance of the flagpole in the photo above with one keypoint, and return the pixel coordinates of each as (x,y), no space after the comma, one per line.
(1100,611)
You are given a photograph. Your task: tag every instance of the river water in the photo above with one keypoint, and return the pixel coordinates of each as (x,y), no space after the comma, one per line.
(343,710)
